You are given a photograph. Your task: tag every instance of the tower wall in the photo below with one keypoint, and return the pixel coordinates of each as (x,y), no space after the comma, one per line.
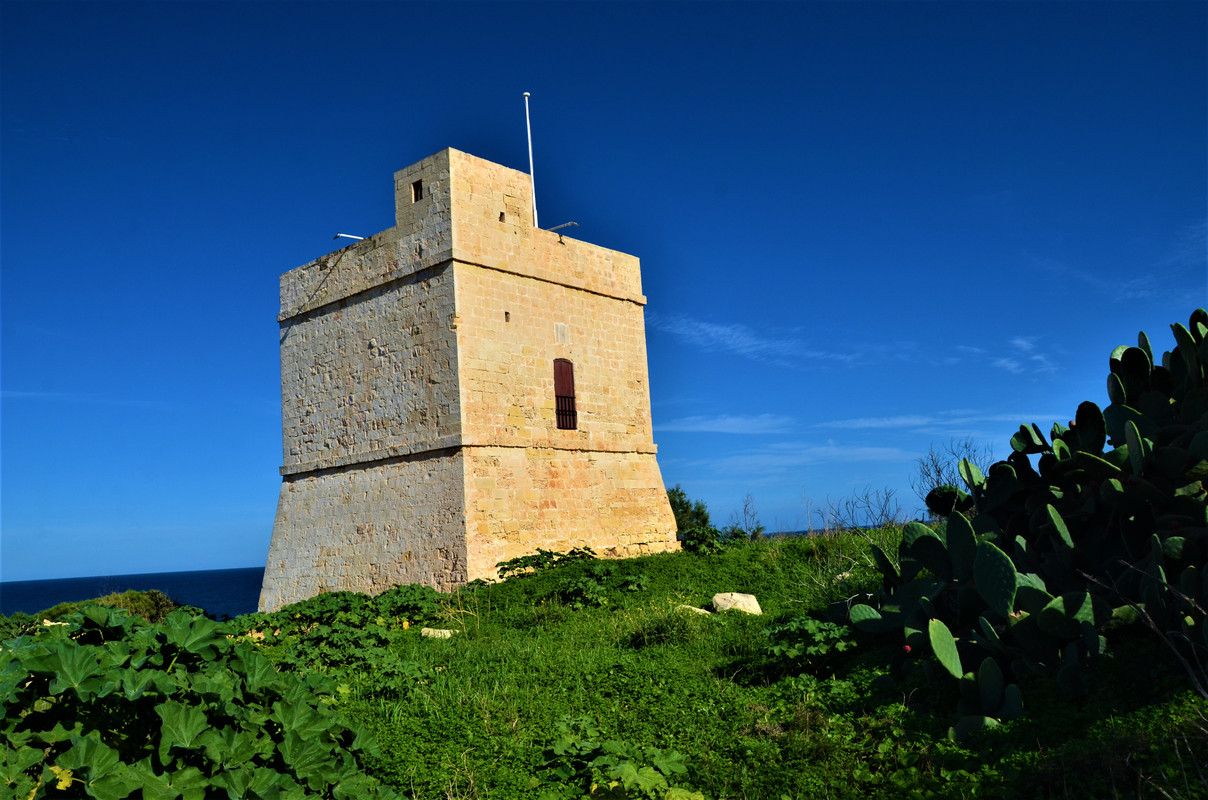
(511,328)
(371,375)
(519,499)
(528,483)
(372,492)
(526,297)
(366,528)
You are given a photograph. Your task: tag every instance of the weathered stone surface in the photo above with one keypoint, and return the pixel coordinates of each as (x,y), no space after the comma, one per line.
(693,610)
(736,601)
(371,376)
(436,633)
(418,412)
(368,528)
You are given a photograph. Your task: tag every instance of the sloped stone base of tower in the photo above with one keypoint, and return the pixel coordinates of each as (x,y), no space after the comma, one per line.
(367,528)
(520,499)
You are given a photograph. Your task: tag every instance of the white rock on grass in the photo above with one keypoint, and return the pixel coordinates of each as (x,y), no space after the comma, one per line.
(436,633)
(693,610)
(727,601)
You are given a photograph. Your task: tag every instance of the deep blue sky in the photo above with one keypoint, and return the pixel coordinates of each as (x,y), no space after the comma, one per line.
(864,228)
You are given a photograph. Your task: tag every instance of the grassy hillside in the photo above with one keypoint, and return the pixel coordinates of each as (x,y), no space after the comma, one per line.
(546,669)
(152,606)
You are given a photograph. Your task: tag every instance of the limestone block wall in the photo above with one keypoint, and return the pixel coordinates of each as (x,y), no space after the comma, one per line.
(429,210)
(368,528)
(520,499)
(371,375)
(510,330)
(526,297)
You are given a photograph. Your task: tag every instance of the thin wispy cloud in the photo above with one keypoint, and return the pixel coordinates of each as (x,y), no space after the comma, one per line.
(742,340)
(16,394)
(940,422)
(1170,267)
(1190,249)
(1009,364)
(1024,344)
(1024,357)
(1042,363)
(1181,268)
(727,423)
(963,354)
(81,397)
(783,457)
(787,349)
(16,331)
(862,423)
(66,133)
(1068,272)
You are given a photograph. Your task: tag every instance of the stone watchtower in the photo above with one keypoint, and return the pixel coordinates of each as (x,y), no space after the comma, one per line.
(458,390)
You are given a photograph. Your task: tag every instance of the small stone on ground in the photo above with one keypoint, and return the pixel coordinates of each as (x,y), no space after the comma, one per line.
(726,601)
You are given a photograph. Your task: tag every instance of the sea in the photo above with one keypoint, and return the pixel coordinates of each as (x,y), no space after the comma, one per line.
(221,593)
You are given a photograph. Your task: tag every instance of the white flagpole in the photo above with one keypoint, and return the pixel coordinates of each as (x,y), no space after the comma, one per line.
(528,125)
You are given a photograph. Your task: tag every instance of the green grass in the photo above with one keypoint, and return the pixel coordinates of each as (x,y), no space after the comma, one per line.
(477,716)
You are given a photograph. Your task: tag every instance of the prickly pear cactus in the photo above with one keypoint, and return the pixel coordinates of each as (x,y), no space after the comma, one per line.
(1104,518)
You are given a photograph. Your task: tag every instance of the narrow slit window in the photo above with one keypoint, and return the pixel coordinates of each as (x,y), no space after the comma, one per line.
(564,394)
(417,191)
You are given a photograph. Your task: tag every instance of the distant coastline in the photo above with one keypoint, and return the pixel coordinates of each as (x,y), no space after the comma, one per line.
(219,592)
